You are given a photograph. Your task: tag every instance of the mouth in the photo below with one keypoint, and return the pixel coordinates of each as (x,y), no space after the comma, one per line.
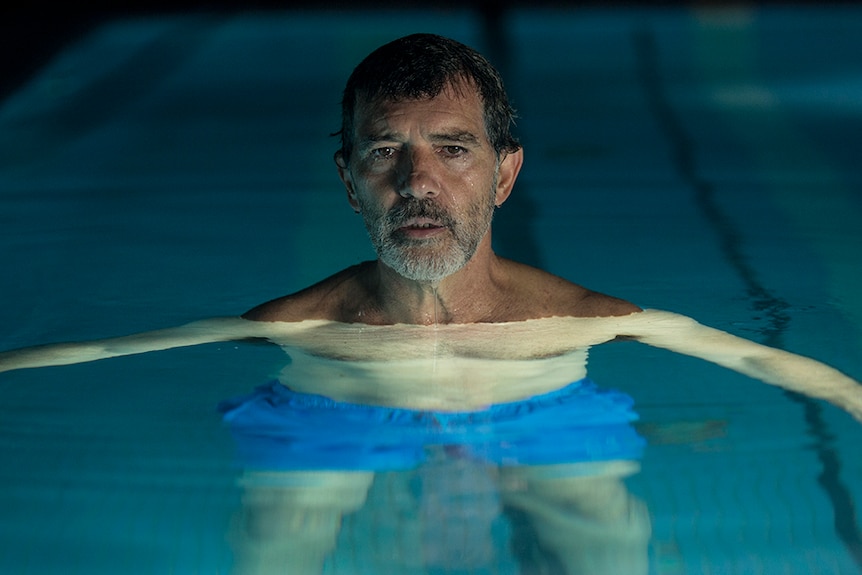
(420,228)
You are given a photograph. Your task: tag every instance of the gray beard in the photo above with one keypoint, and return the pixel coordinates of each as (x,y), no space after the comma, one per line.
(433,259)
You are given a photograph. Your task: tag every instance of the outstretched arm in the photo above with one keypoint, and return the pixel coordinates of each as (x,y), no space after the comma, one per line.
(195,333)
(784,369)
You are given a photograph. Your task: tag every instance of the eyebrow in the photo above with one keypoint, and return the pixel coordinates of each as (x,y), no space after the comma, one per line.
(386,135)
(368,141)
(460,136)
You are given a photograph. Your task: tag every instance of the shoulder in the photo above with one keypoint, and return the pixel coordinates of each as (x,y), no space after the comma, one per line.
(559,297)
(595,304)
(323,300)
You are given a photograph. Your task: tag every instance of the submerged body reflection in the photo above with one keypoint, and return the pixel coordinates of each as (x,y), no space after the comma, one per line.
(384,470)
(445,516)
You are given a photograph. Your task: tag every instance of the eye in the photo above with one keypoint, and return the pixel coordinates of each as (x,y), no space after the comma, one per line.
(454,150)
(383,153)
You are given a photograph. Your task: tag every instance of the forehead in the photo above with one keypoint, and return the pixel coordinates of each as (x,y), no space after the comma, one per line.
(455,106)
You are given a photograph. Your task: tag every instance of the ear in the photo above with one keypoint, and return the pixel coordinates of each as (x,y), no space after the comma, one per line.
(347,180)
(507,173)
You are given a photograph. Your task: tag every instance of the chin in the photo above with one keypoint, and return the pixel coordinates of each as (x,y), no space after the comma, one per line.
(426,272)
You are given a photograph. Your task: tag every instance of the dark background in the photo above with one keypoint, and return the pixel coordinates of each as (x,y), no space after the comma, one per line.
(30,34)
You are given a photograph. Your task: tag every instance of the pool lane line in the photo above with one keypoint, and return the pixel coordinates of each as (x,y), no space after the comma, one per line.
(763,300)
(773,144)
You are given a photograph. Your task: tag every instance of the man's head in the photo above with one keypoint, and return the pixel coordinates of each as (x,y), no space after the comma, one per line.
(420,66)
(427,154)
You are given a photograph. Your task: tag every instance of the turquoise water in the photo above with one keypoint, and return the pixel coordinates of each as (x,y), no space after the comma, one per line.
(166,169)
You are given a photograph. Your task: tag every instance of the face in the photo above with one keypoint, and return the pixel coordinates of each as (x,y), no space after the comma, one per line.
(426,179)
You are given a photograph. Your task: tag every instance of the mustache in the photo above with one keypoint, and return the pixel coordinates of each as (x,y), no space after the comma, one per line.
(412,208)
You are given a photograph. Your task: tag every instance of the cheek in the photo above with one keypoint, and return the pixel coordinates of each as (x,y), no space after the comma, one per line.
(374,185)
(481,188)
(372,206)
(469,187)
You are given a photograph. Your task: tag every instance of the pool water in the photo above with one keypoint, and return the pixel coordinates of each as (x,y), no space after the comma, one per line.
(164,169)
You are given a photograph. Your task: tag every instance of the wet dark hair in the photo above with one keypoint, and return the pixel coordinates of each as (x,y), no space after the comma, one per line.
(420,66)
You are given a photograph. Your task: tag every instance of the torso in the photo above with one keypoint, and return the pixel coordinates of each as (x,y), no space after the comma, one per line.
(448,368)
(529,336)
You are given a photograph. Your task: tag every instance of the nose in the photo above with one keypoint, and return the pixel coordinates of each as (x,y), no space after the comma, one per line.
(416,175)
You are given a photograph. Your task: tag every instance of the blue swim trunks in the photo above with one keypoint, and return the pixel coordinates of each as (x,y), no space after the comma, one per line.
(279,429)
